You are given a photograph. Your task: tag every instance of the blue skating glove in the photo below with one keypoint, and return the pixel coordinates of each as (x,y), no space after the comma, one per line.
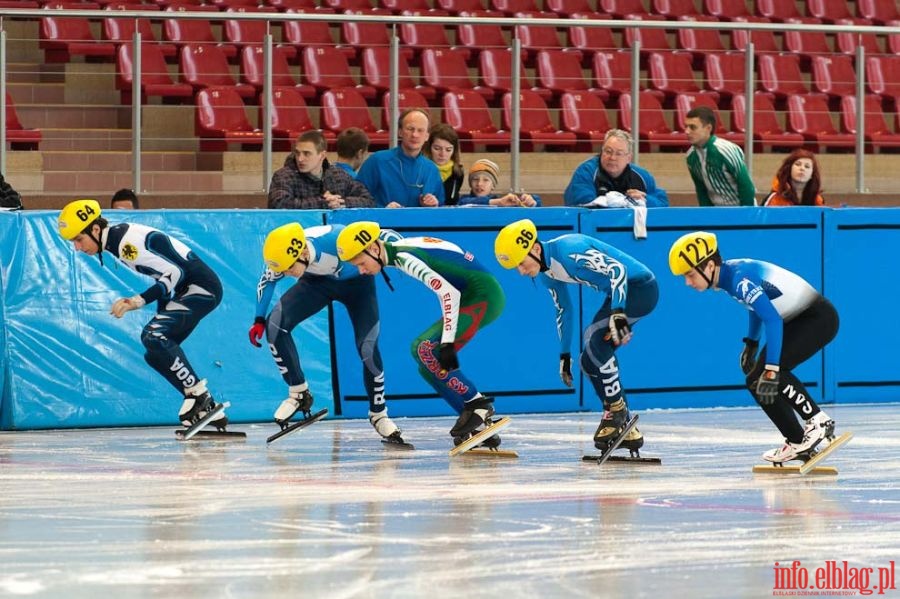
(767,386)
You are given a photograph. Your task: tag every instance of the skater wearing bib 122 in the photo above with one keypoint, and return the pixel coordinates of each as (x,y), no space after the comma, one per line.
(311,257)
(186,290)
(798,322)
(628,292)
(470,299)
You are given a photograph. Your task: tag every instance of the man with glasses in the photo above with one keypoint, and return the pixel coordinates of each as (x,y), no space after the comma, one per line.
(308,180)
(609,180)
(403,176)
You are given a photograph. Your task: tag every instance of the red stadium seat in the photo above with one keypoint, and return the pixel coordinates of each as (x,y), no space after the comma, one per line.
(675,9)
(155,78)
(313,34)
(778,11)
(570,8)
(763,41)
(290,118)
(829,11)
(326,68)
(834,75)
(847,42)
(481,37)
(376,68)
(253,70)
(406,98)
(370,35)
(700,42)
(807,44)
(535,124)
(652,40)
(726,10)
(495,66)
(460,6)
(19,137)
(893,40)
(561,72)
(879,12)
(653,130)
(446,70)
(468,113)
(883,75)
(725,73)
(612,72)
(767,132)
(343,108)
(671,73)
(205,66)
(250,33)
(63,37)
(343,5)
(120,31)
(808,115)
(684,103)
(622,9)
(780,74)
(221,119)
(877,132)
(585,116)
(195,32)
(428,36)
(398,6)
(590,40)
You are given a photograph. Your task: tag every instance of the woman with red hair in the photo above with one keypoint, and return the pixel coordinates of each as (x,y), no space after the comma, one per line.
(797,182)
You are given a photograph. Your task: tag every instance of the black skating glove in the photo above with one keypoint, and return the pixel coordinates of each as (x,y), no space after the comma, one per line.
(257,331)
(767,386)
(447,356)
(565,369)
(748,356)
(619,331)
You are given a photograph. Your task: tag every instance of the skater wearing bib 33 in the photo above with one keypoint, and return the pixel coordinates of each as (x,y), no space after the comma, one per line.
(628,292)
(798,322)
(310,256)
(470,299)
(185,290)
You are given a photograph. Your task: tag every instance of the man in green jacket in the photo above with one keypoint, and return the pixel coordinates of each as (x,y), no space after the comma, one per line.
(716,165)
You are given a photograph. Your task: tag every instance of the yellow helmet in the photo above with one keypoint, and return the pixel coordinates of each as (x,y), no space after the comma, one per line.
(690,250)
(77,216)
(356,238)
(514,241)
(284,246)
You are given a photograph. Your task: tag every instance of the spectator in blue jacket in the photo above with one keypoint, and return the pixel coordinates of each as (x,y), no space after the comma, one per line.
(403,177)
(483,179)
(611,181)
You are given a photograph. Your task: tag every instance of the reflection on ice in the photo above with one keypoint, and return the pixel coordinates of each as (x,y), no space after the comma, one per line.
(331,512)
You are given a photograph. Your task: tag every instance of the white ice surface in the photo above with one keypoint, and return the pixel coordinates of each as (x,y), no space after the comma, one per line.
(329,512)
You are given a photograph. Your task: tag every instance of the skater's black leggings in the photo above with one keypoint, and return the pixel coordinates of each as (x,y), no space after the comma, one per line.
(804,335)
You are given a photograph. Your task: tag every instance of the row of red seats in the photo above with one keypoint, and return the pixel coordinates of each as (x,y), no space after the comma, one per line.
(18,137)
(221,119)
(62,37)
(868,12)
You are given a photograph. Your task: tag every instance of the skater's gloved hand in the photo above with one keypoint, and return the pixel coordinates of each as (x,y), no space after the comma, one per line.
(748,356)
(257,331)
(619,331)
(565,369)
(767,386)
(447,356)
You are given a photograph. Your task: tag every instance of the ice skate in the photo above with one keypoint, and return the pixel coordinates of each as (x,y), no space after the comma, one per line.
(811,458)
(197,403)
(485,438)
(611,425)
(475,415)
(819,427)
(298,400)
(390,432)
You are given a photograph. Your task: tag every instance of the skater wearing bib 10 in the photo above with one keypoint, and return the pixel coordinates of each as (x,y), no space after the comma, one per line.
(470,299)
(798,322)
(628,292)
(185,290)
(311,257)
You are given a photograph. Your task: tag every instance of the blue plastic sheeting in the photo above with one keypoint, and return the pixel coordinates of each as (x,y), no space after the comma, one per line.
(861,280)
(9,227)
(71,364)
(515,358)
(686,352)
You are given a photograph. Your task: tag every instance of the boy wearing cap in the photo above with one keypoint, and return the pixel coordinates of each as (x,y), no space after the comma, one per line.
(185,289)
(311,257)
(483,178)
(470,298)
(628,292)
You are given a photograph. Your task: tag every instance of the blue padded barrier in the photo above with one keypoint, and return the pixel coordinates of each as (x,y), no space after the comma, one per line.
(71,364)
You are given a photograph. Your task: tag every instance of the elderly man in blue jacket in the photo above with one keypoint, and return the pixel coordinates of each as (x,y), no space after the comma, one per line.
(609,180)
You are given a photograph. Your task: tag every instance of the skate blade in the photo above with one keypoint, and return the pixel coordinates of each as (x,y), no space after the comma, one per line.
(397,444)
(606,455)
(300,424)
(623,459)
(823,453)
(221,435)
(195,428)
(479,438)
(491,453)
(828,470)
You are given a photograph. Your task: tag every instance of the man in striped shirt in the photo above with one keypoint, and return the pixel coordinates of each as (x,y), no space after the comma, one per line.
(716,165)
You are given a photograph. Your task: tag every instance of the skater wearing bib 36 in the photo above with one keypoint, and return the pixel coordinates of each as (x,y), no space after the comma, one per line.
(310,256)
(470,299)
(185,290)
(628,292)
(798,322)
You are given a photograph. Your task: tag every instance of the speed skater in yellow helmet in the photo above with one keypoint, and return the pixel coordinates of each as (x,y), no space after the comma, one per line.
(517,241)
(81,222)
(696,257)
(360,245)
(284,247)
